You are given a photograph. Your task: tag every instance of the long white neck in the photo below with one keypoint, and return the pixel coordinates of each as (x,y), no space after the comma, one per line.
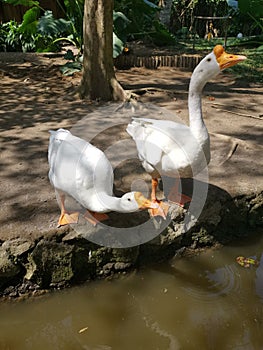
(100,201)
(196,121)
(110,202)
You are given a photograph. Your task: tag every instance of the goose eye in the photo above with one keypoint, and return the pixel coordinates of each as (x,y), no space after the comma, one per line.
(129,199)
(209,59)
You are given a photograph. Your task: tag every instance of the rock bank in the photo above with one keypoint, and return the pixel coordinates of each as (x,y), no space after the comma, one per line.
(64,258)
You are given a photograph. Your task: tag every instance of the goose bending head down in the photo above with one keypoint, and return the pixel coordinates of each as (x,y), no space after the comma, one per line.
(177,150)
(83,172)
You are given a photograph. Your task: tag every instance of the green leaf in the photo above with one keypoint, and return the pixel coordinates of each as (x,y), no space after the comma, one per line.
(152,5)
(70,68)
(74,6)
(30,20)
(119,15)
(118,46)
(50,26)
(74,10)
(27,3)
(69,55)
(120,23)
(74,13)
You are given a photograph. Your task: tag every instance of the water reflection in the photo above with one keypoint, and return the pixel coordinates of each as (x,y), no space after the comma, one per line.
(204,302)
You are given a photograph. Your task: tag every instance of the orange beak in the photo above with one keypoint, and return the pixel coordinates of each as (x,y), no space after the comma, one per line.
(144,203)
(226,60)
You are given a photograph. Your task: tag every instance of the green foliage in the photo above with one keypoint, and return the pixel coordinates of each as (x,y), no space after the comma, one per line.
(161,36)
(251,69)
(9,37)
(12,39)
(246,18)
(70,68)
(30,20)
(253,7)
(74,14)
(184,12)
(246,21)
(143,21)
(118,46)
(49,26)
(46,28)
(132,20)
(151,4)
(138,13)
(27,3)
(120,24)
(45,44)
(69,55)
(32,34)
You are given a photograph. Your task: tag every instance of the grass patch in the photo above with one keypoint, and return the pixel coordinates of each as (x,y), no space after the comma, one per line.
(250,70)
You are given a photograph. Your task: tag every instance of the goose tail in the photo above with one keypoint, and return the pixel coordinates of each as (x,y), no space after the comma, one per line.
(56,137)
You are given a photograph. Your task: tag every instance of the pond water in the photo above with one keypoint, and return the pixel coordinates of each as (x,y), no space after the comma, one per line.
(203,302)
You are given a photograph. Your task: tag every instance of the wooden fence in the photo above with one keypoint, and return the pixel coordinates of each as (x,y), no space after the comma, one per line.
(153,62)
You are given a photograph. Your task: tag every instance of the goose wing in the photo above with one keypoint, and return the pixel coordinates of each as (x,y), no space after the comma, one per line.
(154,138)
(77,167)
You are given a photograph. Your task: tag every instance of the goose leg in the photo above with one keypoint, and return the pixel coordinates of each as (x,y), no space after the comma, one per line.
(154,188)
(94,218)
(163,208)
(177,197)
(65,217)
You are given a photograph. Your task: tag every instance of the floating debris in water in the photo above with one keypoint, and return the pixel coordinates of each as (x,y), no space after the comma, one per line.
(83,330)
(246,262)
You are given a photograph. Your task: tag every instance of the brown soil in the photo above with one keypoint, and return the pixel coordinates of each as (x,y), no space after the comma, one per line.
(35,98)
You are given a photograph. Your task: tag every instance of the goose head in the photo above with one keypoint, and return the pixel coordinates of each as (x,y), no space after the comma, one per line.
(212,64)
(134,201)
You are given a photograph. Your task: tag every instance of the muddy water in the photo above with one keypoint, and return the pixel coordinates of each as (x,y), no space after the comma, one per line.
(203,302)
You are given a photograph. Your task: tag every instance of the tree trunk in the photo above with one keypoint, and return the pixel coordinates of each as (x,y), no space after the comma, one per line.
(98,79)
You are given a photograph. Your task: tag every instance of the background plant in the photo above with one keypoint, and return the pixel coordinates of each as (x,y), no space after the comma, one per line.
(246,16)
(253,10)
(144,21)
(41,30)
(73,12)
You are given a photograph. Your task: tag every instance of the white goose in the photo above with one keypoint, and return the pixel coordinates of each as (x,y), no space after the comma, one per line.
(177,150)
(82,171)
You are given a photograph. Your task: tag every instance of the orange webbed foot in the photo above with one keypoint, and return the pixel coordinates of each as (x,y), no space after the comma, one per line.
(162,209)
(179,198)
(93,218)
(68,218)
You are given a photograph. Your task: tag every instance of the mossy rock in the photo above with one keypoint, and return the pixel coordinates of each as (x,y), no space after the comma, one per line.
(255,214)
(202,238)
(84,268)
(50,264)
(8,268)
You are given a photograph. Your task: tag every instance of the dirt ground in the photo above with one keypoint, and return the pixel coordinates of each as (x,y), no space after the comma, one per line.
(35,98)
